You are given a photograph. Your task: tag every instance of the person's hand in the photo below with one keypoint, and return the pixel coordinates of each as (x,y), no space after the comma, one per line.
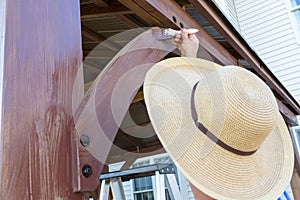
(187,44)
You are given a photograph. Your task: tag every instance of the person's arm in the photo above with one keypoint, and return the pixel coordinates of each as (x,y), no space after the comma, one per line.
(187,44)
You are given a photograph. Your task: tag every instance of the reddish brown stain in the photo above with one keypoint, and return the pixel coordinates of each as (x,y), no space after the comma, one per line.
(42,56)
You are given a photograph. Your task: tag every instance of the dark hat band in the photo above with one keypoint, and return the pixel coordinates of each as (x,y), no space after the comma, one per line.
(209,134)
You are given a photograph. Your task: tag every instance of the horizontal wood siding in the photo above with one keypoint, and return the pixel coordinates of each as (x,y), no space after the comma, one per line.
(228,8)
(267,27)
(232,15)
(127,190)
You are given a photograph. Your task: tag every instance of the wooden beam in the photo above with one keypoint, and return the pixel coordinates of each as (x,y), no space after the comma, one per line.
(129,161)
(223,26)
(99,38)
(171,9)
(295,184)
(156,14)
(142,13)
(92,35)
(92,11)
(104,97)
(40,56)
(119,156)
(288,115)
(88,85)
(99,3)
(138,97)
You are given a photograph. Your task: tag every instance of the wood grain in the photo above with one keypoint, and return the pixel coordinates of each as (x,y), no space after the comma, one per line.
(42,55)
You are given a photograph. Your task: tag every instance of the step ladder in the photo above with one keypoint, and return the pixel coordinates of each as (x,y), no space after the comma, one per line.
(164,174)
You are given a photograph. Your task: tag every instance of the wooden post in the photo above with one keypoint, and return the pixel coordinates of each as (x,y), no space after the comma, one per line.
(40,54)
(295,184)
(198,194)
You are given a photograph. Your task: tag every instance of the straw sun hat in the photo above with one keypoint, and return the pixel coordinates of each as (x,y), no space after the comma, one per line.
(221,127)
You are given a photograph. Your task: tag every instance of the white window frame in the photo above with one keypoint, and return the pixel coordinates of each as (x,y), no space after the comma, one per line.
(296,141)
(142,191)
(295,8)
(134,191)
(293,19)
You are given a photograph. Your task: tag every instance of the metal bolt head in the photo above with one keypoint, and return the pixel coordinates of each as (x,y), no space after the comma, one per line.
(85,140)
(87,171)
(181,25)
(174,19)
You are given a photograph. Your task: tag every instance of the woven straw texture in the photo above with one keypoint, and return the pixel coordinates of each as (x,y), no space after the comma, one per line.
(239,109)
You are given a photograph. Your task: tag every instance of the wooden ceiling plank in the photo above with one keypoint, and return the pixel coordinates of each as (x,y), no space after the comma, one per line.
(171,9)
(99,3)
(98,53)
(128,22)
(92,35)
(137,128)
(122,18)
(99,38)
(92,11)
(237,42)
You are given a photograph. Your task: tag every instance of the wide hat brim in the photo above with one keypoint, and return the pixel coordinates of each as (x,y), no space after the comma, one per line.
(212,169)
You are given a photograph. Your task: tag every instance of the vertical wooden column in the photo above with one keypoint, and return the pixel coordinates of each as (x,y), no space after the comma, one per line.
(295,184)
(40,54)
(198,194)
